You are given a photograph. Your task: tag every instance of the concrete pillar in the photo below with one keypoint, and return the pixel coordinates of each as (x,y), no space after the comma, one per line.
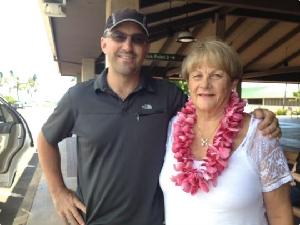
(78,78)
(113,5)
(87,69)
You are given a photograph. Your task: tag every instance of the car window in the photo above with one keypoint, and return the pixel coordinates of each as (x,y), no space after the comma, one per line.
(2,118)
(5,114)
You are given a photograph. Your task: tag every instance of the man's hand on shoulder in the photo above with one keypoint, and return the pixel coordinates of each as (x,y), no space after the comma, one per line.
(269,124)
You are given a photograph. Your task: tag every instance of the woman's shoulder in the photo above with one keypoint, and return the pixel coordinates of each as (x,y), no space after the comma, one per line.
(243,131)
(173,119)
(253,130)
(257,134)
(246,120)
(253,122)
(257,145)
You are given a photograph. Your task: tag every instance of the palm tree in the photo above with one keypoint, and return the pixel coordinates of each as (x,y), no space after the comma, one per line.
(16,82)
(32,83)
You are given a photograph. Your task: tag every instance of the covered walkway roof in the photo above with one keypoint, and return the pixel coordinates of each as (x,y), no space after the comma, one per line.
(266,34)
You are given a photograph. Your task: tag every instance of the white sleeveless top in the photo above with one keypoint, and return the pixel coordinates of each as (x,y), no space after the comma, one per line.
(258,165)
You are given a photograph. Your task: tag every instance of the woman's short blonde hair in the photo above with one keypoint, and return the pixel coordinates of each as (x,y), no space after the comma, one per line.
(214,53)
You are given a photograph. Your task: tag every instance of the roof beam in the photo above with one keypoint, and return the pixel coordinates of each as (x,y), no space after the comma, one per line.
(159,31)
(287,7)
(257,35)
(266,15)
(287,59)
(275,45)
(278,78)
(266,73)
(176,11)
(234,26)
(148,3)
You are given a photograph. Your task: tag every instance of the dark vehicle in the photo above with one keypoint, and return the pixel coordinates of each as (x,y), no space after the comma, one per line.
(15,139)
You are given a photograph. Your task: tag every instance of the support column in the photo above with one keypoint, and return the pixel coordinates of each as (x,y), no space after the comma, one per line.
(88,69)
(113,5)
(220,20)
(78,78)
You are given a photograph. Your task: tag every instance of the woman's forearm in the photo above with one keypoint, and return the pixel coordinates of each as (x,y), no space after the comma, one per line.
(278,205)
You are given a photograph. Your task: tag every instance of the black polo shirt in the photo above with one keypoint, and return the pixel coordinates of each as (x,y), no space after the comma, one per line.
(121,147)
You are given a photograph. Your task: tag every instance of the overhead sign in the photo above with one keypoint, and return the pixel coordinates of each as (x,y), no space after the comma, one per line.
(165,57)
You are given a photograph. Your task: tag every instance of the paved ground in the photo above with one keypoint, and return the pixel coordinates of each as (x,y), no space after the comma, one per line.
(42,205)
(16,201)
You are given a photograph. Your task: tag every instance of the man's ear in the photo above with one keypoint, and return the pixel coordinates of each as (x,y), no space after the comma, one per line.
(103,44)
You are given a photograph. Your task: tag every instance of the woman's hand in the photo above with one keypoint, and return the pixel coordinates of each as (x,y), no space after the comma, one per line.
(269,124)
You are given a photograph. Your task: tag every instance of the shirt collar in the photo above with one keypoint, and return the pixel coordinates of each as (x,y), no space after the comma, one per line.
(101,84)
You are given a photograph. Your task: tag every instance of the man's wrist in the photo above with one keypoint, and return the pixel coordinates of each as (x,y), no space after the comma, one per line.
(58,189)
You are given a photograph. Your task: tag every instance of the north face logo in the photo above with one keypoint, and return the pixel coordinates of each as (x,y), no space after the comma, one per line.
(146,106)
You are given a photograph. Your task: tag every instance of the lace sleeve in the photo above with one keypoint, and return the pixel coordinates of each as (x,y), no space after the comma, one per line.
(270,162)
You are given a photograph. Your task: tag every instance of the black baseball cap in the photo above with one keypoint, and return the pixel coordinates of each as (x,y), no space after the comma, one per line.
(126,15)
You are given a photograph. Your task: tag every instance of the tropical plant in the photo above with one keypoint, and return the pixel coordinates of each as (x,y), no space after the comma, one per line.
(182,84)
(297,95)
(9,99)
(281,112)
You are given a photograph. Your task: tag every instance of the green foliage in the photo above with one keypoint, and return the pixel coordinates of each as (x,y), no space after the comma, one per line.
(281,112)
(9,99)
(14,86)
(297,112)
(182,84)
(297,95)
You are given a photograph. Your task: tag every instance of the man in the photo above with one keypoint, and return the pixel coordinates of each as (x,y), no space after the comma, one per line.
(120,120)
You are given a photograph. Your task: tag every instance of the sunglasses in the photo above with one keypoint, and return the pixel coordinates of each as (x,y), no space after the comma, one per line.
(120,37)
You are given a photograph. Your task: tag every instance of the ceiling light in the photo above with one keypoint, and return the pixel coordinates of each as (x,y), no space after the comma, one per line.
(185,37)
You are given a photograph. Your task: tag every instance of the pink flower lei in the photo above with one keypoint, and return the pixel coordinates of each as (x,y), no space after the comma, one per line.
(193,179)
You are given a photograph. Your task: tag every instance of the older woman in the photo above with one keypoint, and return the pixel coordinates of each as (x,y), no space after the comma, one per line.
(219,168)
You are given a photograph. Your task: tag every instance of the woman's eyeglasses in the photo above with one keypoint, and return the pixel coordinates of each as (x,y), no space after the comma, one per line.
(120,37)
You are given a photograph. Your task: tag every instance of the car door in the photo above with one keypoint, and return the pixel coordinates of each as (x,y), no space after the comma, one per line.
(15,138)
